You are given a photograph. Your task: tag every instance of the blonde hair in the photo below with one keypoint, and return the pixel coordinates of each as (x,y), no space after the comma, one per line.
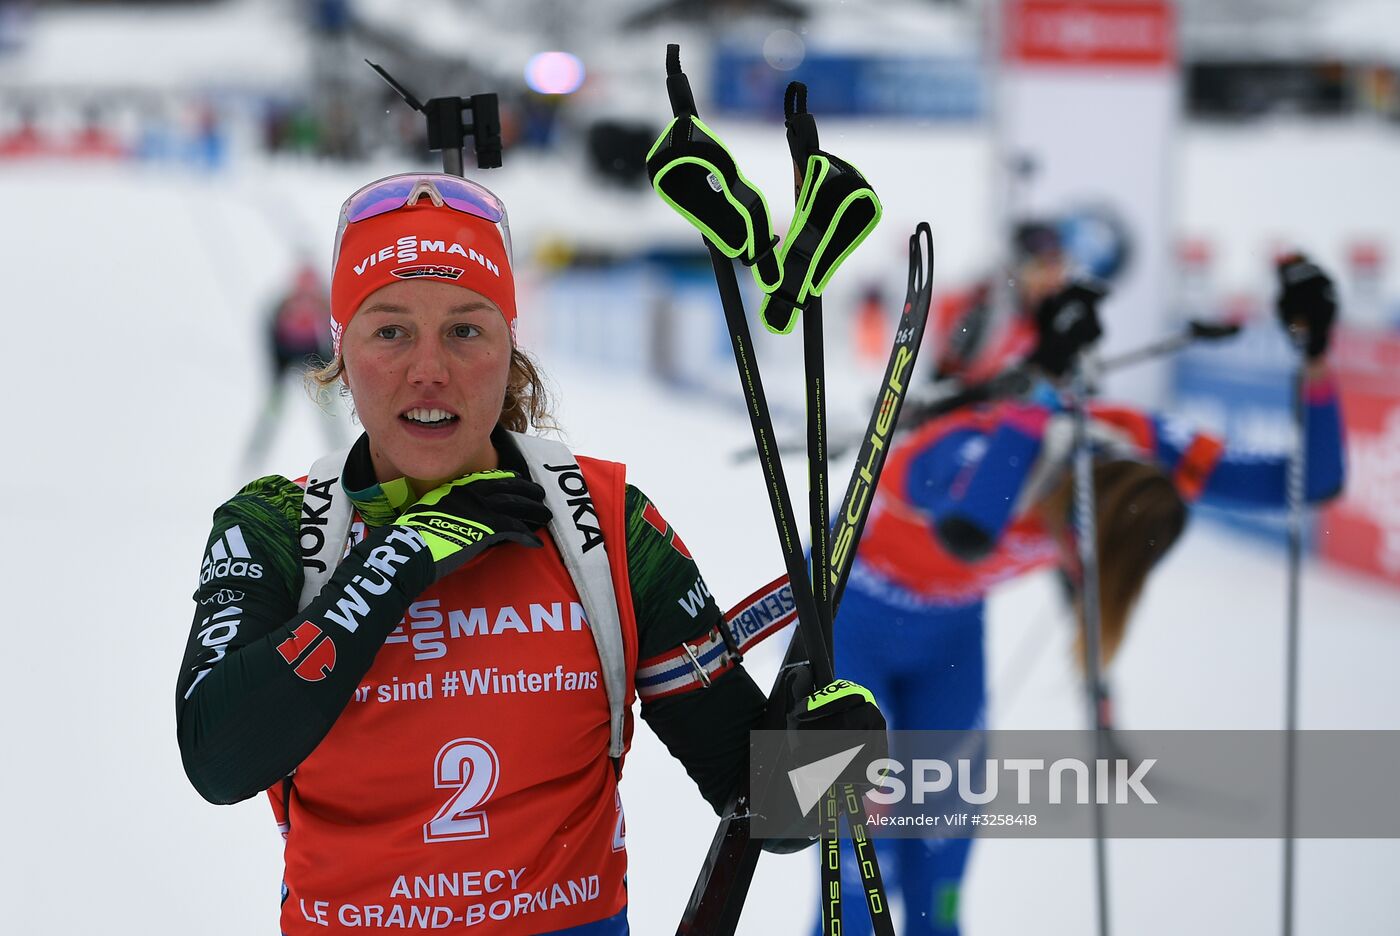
(1139,515)
(526,402)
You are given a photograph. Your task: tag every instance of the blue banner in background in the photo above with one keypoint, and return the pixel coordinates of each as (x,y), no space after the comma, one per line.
(14,26)
(852,85)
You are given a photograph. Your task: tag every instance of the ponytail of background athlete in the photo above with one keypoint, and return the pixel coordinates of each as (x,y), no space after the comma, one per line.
(1139,515)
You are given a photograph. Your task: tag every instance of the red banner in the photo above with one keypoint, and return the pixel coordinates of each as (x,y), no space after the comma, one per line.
(1362,529)
(1090,32)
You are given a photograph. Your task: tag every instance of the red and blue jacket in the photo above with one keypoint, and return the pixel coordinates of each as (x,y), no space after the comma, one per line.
(969,477)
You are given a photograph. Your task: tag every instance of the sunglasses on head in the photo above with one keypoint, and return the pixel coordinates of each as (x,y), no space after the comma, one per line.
(410,188)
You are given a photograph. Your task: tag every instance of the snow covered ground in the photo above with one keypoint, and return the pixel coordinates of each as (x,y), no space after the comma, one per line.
(132,376)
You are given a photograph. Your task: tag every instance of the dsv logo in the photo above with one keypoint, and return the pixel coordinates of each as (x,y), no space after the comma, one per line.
(310,651)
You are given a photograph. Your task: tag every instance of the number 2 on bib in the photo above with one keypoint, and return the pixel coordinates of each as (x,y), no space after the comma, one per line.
(471,767)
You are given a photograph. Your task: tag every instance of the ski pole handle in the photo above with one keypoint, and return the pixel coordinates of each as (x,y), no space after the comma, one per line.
(677,84)
(1212,331)
(802,136)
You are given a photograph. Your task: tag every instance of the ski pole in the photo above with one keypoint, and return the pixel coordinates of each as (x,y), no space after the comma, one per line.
(760,420)
(730,864)
(802,138)
(1195,331)
(1086,532)
(809,623)
(1297,472)
(802,142)
(1012,382)
(1017,380)
(684,146)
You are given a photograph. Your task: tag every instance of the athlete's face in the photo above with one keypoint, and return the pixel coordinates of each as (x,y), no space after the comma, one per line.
(1039,277)
(427,364)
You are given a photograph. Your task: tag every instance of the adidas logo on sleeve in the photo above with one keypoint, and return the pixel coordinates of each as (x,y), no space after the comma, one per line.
(228,558)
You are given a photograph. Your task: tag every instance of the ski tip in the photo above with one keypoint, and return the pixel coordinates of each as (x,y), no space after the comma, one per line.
(673,58)
(920,246)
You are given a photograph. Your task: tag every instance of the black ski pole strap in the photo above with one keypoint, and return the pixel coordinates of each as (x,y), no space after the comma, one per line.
(801,130)
(795,101)
(677,84)
(695,174)
(836,210)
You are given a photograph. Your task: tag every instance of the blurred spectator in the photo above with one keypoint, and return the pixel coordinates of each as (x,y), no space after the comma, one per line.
(297,338)
(973,342)
(871,326)
(25,139)
(95,139)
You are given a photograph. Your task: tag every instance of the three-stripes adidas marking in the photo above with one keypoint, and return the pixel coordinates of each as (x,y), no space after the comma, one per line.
(229,557)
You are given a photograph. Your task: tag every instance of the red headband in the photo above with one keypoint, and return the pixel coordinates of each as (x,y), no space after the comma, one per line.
(421,240)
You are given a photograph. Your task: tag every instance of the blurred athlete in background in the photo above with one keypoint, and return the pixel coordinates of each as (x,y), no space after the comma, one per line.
(983,495)
(974,340)
(296,342)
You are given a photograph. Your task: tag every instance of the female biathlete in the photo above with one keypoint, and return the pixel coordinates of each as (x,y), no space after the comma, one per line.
(978,497)
(426,651)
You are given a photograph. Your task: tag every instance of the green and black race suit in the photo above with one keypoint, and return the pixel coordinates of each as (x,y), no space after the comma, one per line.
(245,720)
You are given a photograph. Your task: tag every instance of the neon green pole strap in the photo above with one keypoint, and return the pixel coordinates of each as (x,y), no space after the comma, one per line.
(699,178)
(836,210)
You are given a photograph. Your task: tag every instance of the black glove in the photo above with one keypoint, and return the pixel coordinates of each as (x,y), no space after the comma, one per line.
(464,518)
(840,706)
(1065,324)
(1307,304)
